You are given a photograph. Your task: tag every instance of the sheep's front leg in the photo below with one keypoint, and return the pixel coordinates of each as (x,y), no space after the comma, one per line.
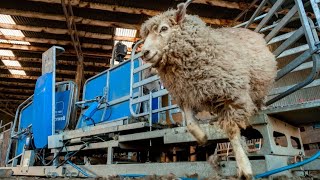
(194,127)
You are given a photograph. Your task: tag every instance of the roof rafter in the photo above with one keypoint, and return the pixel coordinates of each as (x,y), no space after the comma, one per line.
(35,69)
(14,76)
(43,49)
(149,12)
(19,84)
(94,22)
(55,42)
(60,31)
(59,62)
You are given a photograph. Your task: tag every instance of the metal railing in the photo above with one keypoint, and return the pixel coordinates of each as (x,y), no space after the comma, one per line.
(171,108)
(307,30)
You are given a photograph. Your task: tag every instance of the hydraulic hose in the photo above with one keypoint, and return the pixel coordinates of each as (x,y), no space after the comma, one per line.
(275,171)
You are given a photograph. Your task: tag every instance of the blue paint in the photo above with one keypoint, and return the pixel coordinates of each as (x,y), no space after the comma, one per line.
(62,104)
(26,117)
(155,105)
(42,110)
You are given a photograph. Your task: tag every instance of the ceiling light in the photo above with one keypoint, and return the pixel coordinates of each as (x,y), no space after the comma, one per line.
(7,19)
(11,63)
(125,32)
(4,52)
(17,72)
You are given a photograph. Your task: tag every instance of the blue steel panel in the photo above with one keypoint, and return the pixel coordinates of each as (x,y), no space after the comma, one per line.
(25,120)
(62,104)
(155,105)
(42,111)
(119,86)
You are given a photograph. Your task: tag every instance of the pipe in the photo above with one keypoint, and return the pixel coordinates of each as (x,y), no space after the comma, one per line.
(79,169)
(268,173)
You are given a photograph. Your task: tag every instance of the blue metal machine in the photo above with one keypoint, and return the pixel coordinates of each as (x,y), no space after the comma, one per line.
(116,116)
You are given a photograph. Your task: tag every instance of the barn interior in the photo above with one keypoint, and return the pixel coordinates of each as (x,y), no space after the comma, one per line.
(88,32)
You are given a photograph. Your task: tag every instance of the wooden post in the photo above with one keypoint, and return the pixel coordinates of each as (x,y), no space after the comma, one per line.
(174,152)
(193,150)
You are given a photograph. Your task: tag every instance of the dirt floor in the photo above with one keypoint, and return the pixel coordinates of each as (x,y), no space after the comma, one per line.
(168,177)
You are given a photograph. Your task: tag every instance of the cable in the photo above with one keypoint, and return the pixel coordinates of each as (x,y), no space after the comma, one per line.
(43,159)
(82,147)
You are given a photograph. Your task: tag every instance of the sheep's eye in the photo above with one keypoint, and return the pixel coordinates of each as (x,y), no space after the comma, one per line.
(163,28)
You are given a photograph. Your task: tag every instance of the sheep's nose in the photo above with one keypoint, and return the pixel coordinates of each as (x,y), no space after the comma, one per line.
(145,53)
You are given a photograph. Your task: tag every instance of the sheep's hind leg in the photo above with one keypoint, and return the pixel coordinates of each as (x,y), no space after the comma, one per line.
(235,116)
(245,170)
(194,127)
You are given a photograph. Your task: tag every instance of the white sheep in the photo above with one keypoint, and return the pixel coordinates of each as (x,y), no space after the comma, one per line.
(226,71)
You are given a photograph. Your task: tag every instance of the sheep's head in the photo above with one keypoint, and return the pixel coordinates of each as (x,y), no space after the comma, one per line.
(157,31)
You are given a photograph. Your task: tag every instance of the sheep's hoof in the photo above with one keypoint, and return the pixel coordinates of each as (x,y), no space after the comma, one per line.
(202,140)
(246,176)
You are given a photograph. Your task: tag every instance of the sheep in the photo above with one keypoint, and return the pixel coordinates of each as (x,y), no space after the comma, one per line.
(225,71)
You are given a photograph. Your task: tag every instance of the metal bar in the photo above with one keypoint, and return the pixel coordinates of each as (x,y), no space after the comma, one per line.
(145,81)
(271,12)
(315,7)
(162,92)
(297,35)
(293,51)
(281,37)
(99,145)
(14,125)
(255,19)
(165,108)
(285,88)
(268,27)
(303,66)
(308,80)
(143,67)
(305,23)
(132,59)
(256,13)
(293,64)
(284,21)
(245,10)
(110,155)
(99,129)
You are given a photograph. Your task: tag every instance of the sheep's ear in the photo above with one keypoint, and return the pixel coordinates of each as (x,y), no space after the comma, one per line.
(181,11)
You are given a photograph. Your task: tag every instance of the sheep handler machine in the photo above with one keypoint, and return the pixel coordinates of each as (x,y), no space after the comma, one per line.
(124,129)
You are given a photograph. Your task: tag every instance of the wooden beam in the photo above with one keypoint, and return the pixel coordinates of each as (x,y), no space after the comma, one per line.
(149,12)
(34,69)
(54,31)
(16,96)
(43,49)
(224,4)
(6,112)
(14,76)
(57,17)
(18,91)
(65,32)
(19,84)
(80,20)
(55,42)
(59,62)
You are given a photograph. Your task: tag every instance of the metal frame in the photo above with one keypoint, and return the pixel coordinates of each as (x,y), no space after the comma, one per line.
(272,155)
(310,49)
(143,98)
